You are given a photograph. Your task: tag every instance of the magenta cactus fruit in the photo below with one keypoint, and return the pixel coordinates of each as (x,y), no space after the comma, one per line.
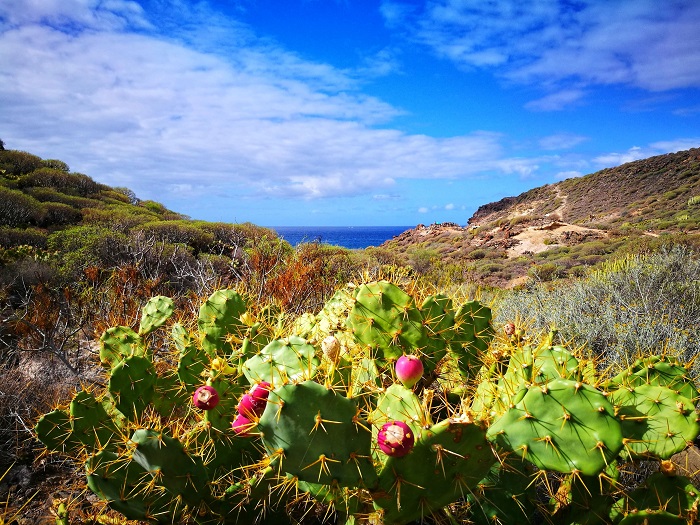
(253,403)
(409,369)
(242,425)
(205,397)
(395,439)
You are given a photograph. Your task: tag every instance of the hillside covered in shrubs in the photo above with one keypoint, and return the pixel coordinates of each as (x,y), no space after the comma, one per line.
(562,230)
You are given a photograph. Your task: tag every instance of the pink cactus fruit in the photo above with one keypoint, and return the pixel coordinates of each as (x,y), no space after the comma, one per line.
(395,439)
(409,369)
(242,426)
(253,403)
(205,397)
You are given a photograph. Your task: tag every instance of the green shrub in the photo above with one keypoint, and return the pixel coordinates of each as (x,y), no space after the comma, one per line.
(54,214)
(17,209)
(12,237)
(69,183)
(55,165)
(84,246)
(180,232)
(645,303)
(52,195)
(15,163)
(120,217)
(545,272)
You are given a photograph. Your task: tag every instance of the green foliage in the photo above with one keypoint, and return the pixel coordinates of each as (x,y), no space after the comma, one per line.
(14,163)
(179,232)
(13,237)
(69,183)
(55,164)
(487,411)
(85,246)
(17,209)
(635,304)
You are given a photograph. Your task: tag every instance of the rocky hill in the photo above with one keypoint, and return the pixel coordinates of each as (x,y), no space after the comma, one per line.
(559,229)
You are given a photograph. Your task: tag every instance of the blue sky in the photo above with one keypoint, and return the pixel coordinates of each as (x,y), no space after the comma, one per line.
(324,112)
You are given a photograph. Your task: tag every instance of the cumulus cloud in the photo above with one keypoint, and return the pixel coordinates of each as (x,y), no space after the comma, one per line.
(547,41)
(132,107)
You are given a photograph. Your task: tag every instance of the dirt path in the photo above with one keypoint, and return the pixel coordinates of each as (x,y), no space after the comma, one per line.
(536,239)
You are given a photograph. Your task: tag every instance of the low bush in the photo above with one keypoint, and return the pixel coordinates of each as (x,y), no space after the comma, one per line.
(644,303)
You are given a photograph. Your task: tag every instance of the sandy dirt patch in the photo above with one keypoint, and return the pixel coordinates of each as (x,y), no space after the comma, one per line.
(536,239)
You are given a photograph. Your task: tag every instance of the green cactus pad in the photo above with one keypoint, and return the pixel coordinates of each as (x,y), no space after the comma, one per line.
(170,399)
(219,449)
(446,463)
(117,343)
(399,403)
(155,313)
(660,371)
(192,361)
(439,320)
(220,323)
(386,320)
(318,435)
(121,483)
(656,421)
(171,466)
(343,500)
(54,431)
(586,500)
(505,496)
(562,425)
(674,496)
(282,361)
(90,422)
(365,377)
(131,385)
(472,334)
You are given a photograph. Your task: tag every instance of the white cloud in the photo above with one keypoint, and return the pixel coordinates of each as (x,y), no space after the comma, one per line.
(636,152)
(159,115)
(92,14)
(547,41)
(449,206)
(561,141)
(556,101)
(423,209)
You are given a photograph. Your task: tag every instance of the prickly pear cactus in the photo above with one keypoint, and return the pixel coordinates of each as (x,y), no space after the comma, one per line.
(495,430)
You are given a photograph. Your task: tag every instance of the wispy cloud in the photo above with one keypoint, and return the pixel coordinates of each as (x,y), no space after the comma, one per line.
(638,152)
(561,141)
(550,41)
(556,101)
(132,107)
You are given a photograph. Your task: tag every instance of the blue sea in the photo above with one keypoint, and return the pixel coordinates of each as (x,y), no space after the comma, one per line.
(352,237)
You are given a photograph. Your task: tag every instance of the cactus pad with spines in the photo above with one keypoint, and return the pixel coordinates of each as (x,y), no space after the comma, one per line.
(282,361)
(657,421)
(318,435)
(563,425)
(117,343)
(386,320)
(131,385)
(155,313)
(447,461)
(220,323)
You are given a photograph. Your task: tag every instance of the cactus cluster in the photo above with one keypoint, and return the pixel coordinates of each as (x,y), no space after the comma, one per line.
(386,406)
